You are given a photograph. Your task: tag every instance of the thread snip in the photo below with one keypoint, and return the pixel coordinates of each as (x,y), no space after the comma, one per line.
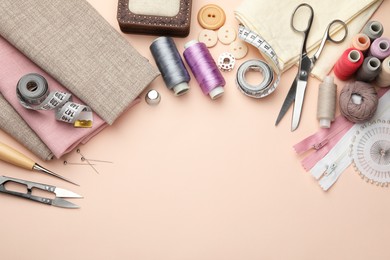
(326,104)
(358,101)
(361,42)
(170,64)
(373,29)
(383,79)
(204,68)
(369,70)
(380,48)
(348,63)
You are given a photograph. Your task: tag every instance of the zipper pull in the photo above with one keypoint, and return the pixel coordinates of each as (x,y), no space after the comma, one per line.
(319,145)
(330,169)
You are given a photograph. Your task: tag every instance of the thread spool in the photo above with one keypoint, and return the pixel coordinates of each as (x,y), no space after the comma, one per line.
(361,42)
(373,29)
(369,70)
(383,79)
(170,64)
(326,104)
(204,68)
(380,48)
(348,63)
(358,101)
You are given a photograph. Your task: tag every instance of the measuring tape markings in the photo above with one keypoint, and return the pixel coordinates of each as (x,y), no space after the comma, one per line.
(269,84)
(33,93)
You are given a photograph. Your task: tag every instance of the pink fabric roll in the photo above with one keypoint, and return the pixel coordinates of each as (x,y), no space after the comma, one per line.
(60,137)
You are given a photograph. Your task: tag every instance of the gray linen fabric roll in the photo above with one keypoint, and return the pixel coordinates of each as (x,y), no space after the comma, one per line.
(16,127)
(73,43)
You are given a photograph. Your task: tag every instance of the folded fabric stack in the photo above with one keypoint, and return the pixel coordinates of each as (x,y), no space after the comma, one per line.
(73,47)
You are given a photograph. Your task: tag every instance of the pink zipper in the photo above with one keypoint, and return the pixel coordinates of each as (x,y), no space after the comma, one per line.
(319,153)
(320,139)
(325,139)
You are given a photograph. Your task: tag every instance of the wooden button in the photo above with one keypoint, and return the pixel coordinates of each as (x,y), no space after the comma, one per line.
(208,37)
(211,17)
(226,34)
(238,49)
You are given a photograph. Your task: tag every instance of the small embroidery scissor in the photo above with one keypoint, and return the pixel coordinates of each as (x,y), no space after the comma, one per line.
(57,201)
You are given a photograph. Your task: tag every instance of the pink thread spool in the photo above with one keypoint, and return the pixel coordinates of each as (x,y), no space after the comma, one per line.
(361,42)
(380,48)
(204,68)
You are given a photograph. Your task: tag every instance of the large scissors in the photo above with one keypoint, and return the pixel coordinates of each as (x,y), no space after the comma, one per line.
(298,87)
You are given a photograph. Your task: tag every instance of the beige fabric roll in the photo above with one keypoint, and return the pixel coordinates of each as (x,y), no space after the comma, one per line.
(15,126)
(73,43)
(271,20)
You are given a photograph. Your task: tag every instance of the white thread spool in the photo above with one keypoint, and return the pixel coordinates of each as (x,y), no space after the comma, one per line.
(326,104)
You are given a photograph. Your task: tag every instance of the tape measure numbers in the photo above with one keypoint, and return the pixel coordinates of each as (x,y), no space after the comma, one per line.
(33,93)
(270,70)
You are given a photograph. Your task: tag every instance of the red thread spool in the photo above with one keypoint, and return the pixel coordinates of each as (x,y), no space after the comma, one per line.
(348,63)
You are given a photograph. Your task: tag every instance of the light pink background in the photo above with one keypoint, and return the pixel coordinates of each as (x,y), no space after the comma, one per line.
(198,179)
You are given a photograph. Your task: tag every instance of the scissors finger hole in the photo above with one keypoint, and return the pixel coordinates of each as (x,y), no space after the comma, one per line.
(302,18)
(338,31)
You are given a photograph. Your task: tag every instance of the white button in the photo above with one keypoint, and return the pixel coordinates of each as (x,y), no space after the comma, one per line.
(239,49)
(208,37)
(226,34)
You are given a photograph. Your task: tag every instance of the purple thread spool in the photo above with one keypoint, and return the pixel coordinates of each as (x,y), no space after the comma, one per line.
(203,67)
(380,48)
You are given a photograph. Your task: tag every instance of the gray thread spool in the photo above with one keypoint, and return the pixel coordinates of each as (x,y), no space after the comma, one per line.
(326,104)
(373,30)
(170,64)
(370,68)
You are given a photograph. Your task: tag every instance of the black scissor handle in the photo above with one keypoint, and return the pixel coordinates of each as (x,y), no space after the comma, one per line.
(309,20)
(335,23)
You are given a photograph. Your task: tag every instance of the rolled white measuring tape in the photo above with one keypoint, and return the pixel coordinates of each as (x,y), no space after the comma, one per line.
(33,93)
(270,69)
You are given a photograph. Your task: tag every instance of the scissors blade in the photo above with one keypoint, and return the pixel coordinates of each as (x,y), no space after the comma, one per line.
(297,110)
(287,101)
(58,202)
(63,193)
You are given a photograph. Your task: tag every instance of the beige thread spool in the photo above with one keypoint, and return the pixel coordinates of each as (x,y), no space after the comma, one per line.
(326,104)
(383,79)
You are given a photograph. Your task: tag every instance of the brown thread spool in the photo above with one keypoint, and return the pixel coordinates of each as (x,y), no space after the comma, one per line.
(358,101)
